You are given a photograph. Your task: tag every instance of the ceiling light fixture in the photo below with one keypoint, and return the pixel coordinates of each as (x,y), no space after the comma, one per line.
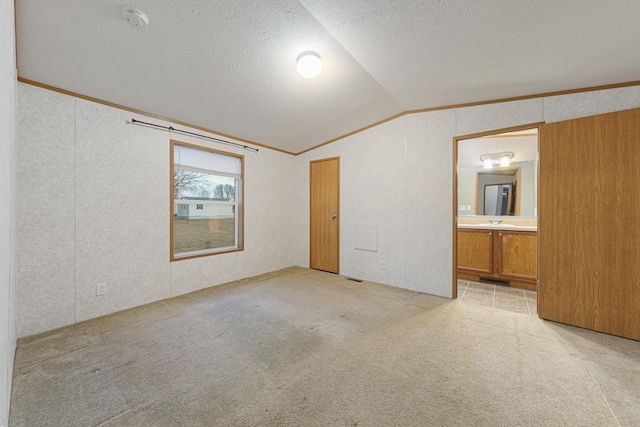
(309,64)
(503,159)
(135,17)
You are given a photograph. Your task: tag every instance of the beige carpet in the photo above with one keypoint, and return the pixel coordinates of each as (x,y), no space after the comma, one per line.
(304,348)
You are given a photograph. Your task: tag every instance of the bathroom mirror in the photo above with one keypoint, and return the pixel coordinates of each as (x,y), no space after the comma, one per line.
(498,192)
(520,176)
(498,200)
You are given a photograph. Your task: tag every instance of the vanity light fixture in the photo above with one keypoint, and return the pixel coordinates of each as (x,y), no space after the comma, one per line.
(503,159)
(487,164)
(309,64)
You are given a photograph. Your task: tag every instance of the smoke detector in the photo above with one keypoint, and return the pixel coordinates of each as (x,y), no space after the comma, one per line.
(135,17)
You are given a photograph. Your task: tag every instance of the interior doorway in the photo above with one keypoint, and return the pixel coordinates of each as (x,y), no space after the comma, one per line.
(495,196)
(324,217)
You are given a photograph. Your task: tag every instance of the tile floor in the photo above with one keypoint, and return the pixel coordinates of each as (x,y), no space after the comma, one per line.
(498,296)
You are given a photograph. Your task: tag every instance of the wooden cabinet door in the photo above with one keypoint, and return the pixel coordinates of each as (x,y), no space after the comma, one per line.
(475,251)
(590,223)
(518,254)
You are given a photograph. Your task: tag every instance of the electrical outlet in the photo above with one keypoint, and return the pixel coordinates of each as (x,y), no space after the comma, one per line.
(101,289)
(279,254)
(462,208)
(469,208)
(383,265)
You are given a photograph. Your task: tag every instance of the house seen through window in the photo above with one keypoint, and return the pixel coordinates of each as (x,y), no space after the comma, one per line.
(206,202)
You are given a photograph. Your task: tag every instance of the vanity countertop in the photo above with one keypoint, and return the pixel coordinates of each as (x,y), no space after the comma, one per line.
(505,227)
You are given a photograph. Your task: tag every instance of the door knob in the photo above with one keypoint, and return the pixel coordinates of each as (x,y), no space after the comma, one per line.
(334,216)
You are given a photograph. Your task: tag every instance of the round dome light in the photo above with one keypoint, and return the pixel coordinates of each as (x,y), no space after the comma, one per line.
(309,64)
(135,17)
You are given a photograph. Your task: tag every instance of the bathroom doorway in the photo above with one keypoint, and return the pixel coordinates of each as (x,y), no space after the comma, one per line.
(495,248)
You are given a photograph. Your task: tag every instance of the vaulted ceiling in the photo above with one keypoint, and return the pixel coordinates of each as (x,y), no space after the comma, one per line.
(229,65)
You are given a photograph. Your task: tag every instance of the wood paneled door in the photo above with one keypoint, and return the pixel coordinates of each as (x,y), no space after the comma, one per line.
(589,266)
(325,214)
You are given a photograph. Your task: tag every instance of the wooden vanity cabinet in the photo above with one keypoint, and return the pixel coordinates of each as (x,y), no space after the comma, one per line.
(510,256)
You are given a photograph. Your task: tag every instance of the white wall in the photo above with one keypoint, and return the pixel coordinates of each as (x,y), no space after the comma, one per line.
(399,176)
(7,218)
(83,171)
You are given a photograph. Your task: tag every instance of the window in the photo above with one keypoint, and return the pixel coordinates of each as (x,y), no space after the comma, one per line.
(206,201)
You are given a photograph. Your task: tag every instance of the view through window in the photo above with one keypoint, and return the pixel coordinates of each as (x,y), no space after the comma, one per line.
(206,201)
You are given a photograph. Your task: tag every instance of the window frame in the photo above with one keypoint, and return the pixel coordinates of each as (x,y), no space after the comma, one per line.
(239,215)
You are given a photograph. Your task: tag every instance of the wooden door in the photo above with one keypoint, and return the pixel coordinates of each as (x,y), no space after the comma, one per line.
(475,251)
(325,215)
(518,254)
(589,266)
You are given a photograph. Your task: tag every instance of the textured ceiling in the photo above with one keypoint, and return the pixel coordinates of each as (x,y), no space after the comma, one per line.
(229,65)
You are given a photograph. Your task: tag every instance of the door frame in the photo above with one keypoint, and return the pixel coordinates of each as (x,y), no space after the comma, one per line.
(337,158)
(454,233)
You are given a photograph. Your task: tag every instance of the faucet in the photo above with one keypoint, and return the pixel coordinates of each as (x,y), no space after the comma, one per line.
(495,221)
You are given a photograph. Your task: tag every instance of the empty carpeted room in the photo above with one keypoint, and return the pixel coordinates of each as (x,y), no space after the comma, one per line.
(319,213)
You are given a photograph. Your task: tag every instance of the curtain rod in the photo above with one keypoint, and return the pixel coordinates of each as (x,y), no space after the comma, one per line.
(186,132)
